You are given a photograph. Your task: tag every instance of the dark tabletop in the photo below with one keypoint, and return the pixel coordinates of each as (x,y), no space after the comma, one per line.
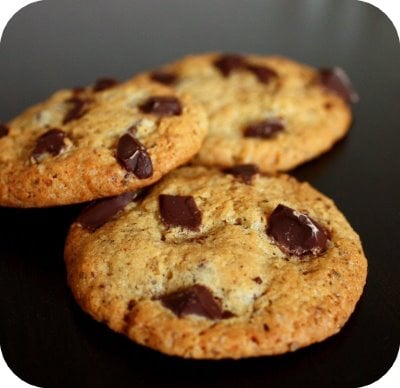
(45,338)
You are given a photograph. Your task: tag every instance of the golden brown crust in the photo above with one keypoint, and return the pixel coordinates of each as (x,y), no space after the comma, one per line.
(117,272)
(88,168)
(314,118)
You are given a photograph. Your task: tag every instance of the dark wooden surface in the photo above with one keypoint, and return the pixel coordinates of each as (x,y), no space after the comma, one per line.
(46,339)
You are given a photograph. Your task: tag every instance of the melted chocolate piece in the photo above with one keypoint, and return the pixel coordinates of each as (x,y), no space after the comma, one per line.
(163,77)
(296,233)
(51,142)
(229,62)
(77,110)
(227,314)
(337,80)
(99,212)
(197,300)
(162,106)
(263,73)
(264,129)
(243,171)
(3,130)
(144,166)
(134,157)
(179,210)
(104,83)
(78,90)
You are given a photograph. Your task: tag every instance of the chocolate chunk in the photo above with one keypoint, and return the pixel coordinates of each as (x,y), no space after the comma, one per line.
(99,212)
(243,171)
(104,83)
(264,129)
(162,106)
(78,90)
(51,142)
(3,130)
(179,210)
(128,151)
(229,62)
(77,110)
(144,166)
(296,233)
(163,77)
(228,314)
(134,157)
(257,280)
(263,73)
(337,80)
(143,192)
(197,300)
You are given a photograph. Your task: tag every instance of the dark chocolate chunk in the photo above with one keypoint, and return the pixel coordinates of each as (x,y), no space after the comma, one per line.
(244,171)
(197,300)
(51,142)
(143,192)
(131,304)
(264,129)
(229,62)
(3,130)
(78,90)
(263,73)
(257,280)
(134,157)
(179,210)
(104,83)
(128,151)
(77,110)
(99,212)
(163,77)
(296,233)
(162,106)
(337,80)
(228,314)
(144,166)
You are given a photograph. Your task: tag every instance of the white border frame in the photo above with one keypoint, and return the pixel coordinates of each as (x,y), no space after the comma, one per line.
(8,8)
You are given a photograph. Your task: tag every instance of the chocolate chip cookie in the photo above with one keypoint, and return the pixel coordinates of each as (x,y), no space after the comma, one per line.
(266,110)
(218,264)
(95,142)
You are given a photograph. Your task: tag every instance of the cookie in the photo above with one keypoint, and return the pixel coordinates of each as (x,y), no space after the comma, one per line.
(218,264)
(266,110)
(95,142)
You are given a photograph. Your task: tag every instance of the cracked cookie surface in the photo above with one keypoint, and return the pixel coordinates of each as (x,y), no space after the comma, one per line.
(69,149)
(199,266)
(266,110)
